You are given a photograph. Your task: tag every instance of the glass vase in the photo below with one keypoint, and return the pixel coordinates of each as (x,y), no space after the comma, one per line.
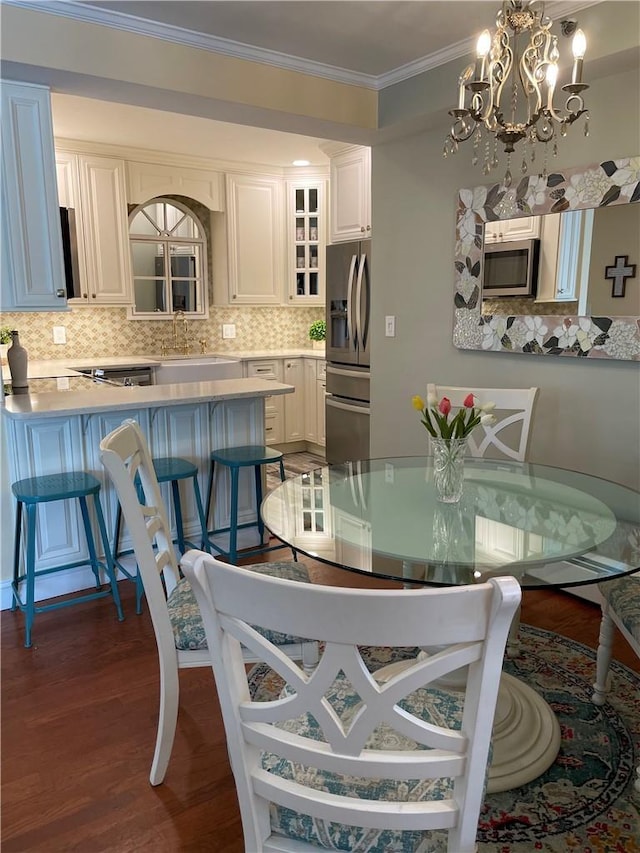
(448,468)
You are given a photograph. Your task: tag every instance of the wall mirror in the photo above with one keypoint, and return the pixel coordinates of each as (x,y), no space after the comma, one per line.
(589,216)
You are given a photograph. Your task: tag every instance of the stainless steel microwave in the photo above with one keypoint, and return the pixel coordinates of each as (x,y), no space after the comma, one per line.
(511,268)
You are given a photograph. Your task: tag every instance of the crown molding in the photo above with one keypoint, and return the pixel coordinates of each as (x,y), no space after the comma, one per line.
(132,154)
(227,47)
(190,38)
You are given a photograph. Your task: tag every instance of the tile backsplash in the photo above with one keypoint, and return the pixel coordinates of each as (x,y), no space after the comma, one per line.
(106,331)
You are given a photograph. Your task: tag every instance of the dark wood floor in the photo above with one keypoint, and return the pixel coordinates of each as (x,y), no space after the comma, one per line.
(79,714)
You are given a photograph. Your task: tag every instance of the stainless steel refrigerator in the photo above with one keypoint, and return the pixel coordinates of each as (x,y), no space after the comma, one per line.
(348,284)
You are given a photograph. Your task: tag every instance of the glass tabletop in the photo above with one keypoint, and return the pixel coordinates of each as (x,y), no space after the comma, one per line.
(546,526)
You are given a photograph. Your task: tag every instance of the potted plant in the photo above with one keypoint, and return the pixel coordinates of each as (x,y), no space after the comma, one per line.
(5,340)
(318,334)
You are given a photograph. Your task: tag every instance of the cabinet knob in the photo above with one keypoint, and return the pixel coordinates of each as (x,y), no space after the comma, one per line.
(60,292)
(362,228)
(235,296)
(368,228)
(84,295)
(93,296)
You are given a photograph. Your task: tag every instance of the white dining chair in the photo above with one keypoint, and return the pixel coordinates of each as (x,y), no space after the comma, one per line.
(342,757)
(620,604)
(509,435)
(176,619)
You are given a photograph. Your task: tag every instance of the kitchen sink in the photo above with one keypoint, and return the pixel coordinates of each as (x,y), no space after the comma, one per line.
(196,369)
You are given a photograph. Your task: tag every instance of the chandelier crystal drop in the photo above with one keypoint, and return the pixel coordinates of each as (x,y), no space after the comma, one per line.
(508,94)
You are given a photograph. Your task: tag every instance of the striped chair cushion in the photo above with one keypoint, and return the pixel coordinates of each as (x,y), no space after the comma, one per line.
(184,613)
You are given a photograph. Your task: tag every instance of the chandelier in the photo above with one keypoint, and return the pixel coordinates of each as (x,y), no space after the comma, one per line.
(507,95)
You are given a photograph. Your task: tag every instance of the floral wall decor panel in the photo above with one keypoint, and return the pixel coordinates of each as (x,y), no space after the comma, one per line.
(606,184)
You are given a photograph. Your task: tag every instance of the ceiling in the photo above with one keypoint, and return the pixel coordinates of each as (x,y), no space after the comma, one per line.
(368,42)
(371,38)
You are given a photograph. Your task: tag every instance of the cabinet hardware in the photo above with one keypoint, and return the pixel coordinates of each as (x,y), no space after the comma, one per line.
(60,292)
(362,228)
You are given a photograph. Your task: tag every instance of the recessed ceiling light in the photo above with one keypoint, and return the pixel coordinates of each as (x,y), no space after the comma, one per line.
(302,162)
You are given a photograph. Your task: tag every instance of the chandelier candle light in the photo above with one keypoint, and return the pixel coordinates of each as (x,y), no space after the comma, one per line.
(449,439)
(507,95)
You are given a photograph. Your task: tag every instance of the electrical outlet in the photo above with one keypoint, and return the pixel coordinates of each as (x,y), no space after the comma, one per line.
(228,330)
(388,473)
(59,335)
(390,326)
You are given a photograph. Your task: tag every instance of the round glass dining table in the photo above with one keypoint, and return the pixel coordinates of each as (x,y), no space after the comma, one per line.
(545,526)
(381,517)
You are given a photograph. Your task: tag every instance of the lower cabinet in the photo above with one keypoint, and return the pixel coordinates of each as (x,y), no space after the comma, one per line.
(297,417)
(315,391)
(270,369)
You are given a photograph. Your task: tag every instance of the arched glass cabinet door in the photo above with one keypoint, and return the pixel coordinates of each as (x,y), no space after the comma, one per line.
(168,259)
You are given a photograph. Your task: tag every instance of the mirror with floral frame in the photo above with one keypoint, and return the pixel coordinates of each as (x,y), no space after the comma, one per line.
(613,182)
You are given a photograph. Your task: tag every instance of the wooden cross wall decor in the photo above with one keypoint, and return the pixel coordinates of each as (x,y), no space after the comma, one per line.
(619,273)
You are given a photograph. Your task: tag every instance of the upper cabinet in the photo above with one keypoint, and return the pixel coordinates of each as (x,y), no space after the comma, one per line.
(106,235)
(94,188)
(306,241)
(255,240)
(524,228)
(32,260)
(350,217)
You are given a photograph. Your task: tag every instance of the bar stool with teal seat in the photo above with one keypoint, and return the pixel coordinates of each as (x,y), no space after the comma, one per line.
(46,489)
(169,469)
(234,458)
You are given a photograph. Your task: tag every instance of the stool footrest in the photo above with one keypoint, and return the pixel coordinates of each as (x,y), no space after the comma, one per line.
(77,599)
(39,572)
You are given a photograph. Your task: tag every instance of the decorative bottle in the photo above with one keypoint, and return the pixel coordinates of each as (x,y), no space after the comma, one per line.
(18,361)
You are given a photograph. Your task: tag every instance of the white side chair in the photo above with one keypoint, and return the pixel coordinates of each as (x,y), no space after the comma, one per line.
(621,609)
(176,619)
(509,435)
(331,759)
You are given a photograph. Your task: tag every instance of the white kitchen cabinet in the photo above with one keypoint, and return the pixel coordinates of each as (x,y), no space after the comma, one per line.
(314,409)
(524,228)
(306,241)
(350,189)
(255,240)
(105,224)
(270,369)
(294,412)
(32,261)
(152,180)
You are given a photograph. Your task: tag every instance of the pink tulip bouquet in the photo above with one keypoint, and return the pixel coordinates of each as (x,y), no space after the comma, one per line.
(435,416)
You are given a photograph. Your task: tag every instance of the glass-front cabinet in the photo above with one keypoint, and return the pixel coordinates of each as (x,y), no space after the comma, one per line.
(307,240)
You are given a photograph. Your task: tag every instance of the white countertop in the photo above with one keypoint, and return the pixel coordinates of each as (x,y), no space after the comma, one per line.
(109,398)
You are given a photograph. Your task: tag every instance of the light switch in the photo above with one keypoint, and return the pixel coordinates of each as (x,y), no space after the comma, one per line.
(59,335)
(390,326)
(228,330)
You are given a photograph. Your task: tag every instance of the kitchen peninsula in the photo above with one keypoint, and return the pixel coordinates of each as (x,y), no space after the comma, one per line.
(44,433)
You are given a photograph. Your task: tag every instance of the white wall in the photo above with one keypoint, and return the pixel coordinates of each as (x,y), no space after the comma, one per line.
(588,414)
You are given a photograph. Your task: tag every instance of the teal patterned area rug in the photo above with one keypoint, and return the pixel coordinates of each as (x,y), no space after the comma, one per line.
(585,802)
